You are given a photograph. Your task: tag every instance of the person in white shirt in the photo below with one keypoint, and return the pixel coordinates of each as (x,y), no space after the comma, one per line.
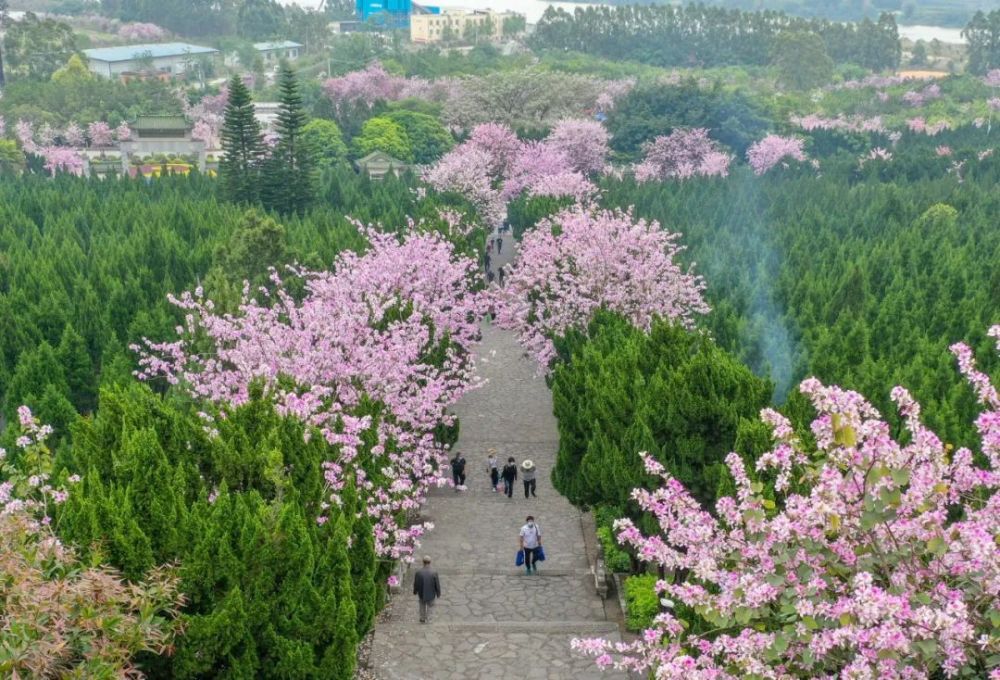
(530,540)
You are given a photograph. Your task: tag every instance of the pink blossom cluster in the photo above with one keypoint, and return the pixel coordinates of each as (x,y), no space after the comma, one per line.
(24,131)
(613,91)
(992,78)
(374,84)
(27,487)
(773,149)
(123,132)
(73,135)
(61,159)
(681,155)
(363,333)
(100,134)
(584,259)
(842,123)
(493,166)
(873,81)
(920,126)
(873,558)
(877,154)
(141,31)
(920,98)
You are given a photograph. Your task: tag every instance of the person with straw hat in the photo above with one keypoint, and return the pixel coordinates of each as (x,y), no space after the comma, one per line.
(528,477)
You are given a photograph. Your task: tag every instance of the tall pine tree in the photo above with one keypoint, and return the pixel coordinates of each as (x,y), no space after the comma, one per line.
(241,145)
(288,181)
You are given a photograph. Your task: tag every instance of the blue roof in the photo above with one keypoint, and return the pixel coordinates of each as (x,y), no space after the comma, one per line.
(279,45)
(130,52)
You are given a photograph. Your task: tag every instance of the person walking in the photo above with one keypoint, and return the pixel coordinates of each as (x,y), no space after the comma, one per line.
(530,541)
(500,275)
(528,477)
(458,471)
(509,475)
(493,467)
(427,588)
(499,244)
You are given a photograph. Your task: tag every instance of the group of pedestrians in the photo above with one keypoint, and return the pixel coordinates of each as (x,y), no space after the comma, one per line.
(427,583)
(509,475)
(494,243)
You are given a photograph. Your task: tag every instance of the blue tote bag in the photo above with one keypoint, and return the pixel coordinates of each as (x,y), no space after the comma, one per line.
(539,554)
(519,560)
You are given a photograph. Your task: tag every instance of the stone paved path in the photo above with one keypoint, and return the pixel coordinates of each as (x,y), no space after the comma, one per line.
(492,620)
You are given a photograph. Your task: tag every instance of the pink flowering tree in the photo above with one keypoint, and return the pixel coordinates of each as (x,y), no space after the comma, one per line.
(62,159)
(73,134)
(46,135)
(123,132)
(24,131)
(772,150)
(581,260)
(872,558)
(681,155)
(371,356)
(140,31)
(100,134)
(494,167)
(368,86)
(583,142)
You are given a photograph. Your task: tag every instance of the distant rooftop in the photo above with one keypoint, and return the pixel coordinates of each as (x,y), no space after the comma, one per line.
(157,50)
(142,123)
(279,45)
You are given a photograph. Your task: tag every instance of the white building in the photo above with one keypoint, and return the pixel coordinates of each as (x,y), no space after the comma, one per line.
(172,58)
(458,25)
(276,51)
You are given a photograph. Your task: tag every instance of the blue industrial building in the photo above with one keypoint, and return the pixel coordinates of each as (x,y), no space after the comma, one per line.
(390,13)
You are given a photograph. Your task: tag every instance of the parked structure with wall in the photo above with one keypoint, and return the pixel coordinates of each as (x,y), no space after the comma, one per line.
(165,58)
(272,52)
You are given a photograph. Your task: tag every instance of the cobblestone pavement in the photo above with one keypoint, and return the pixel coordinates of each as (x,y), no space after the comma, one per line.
(493,620)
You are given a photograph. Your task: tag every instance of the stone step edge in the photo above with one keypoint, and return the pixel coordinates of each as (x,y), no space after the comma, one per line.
(500,627)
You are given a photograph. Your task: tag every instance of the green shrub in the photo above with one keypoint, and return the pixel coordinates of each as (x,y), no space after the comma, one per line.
(615,559)
(642,603)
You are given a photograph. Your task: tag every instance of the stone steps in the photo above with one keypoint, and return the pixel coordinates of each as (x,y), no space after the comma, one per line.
(576,628)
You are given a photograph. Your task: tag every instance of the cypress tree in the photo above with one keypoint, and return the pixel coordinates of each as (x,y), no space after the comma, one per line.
(241,144)
(79,369)
(288,182)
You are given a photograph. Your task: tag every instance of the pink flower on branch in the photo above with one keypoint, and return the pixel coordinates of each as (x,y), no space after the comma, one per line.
(580,261)
(882,562)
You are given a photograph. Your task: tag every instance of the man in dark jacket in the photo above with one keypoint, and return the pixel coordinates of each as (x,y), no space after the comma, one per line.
(458,471)
(509,475)
(427,588)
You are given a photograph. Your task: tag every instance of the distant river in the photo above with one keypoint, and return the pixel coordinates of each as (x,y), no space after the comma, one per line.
(533,9)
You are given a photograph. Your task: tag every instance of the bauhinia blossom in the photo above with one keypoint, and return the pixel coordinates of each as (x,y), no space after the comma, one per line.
(581,260)
(583,142)
(493,166)
(874,558)
(394,326)
(681,155)
(100,133)
(773,149)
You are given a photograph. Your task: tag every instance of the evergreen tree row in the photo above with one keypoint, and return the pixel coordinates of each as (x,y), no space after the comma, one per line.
(700,35)
(282,176)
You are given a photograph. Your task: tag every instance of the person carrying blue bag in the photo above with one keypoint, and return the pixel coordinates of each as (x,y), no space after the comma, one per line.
(530,541)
